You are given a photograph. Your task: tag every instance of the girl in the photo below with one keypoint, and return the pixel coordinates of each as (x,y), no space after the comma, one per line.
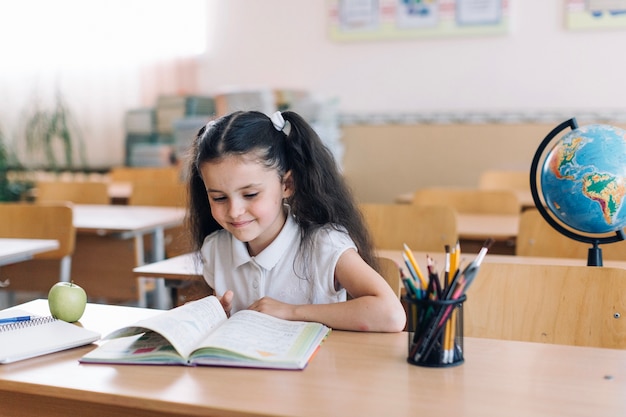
(277,227)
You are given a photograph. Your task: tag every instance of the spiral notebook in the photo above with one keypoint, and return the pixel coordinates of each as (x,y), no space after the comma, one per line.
(39,336)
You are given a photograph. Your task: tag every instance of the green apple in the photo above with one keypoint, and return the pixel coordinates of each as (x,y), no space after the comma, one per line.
(67,301)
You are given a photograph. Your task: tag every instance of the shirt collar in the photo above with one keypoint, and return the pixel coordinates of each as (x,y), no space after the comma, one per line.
(270,256)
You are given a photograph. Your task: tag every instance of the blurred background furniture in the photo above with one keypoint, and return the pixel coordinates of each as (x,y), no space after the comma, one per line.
(391,272)
(469,200)
(427,228)
(569,305)
(39,221)
(79,192)
(151,193)
(134,174)
(537,238)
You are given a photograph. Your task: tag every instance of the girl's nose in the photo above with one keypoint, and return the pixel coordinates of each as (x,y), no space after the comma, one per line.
(235,209)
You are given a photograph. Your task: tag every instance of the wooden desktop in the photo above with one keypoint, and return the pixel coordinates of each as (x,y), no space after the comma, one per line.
(353,374)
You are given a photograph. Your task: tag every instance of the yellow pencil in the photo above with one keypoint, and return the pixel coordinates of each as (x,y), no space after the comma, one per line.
(413,262)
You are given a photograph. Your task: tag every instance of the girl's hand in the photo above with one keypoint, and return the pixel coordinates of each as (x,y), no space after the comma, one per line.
(273,307)
(227,302)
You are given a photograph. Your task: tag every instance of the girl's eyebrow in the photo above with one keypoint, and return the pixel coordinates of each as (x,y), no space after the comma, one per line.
(211,190)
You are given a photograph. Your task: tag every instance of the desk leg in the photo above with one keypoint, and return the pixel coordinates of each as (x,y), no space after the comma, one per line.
(163,301)
(140,260)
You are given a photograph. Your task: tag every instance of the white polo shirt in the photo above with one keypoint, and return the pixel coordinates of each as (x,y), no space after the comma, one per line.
(228,266)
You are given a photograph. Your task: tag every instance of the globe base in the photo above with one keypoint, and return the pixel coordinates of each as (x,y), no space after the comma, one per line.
(594,256)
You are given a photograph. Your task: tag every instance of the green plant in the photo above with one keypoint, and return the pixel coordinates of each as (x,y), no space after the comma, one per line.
(11,189)
(51,130)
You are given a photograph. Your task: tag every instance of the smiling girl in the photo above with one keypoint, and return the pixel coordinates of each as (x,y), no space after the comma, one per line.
(278,229)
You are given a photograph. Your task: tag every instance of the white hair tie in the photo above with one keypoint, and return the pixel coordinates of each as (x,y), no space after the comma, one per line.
(278,121)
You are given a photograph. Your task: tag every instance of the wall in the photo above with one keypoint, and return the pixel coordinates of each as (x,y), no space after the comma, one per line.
(538,66)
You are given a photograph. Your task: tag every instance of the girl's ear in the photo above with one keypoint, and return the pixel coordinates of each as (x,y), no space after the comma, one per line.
(287,185)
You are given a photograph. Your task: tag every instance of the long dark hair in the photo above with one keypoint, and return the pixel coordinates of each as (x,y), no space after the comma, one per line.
(320,194)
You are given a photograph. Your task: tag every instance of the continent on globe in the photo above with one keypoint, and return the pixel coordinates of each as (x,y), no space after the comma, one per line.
(608,191)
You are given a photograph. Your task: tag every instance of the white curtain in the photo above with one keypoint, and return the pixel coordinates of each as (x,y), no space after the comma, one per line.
(102,57)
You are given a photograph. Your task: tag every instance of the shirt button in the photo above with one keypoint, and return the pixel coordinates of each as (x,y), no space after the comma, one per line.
(255,284)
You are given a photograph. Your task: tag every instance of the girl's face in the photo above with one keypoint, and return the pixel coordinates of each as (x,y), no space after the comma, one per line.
(246,199)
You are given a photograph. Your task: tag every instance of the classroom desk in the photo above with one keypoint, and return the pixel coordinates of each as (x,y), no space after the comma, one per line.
(525,198)
(18,250)
(131,222)
(501,227)
(120,191)
(353,374)
(181,267)
(187,267)
(439,258)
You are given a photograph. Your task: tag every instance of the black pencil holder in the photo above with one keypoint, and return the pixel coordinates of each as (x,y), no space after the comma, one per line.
(435,330)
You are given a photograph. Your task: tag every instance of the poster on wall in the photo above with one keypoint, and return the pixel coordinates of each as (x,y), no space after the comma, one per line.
(395,19)
(595,14)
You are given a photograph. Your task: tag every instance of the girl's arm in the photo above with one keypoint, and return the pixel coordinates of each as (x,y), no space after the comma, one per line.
(374,306)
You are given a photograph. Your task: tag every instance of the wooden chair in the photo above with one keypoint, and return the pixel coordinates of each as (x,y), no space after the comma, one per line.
(572,305)
(39,221)
(134,174)
(155,193)
(78,192)
(537,238)
(172,194)
(504,180)
(470,200)
(427,228)
(391,272)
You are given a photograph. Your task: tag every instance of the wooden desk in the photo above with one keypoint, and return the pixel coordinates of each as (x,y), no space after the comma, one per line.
(353,374)
(186,267)
(182,267)
(483,226)
(128,223)
(439,258)
(120,191)
(525,198)
(18,250)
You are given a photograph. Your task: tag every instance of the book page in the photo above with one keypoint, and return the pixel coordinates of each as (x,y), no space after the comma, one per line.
(263,337)
(184,327)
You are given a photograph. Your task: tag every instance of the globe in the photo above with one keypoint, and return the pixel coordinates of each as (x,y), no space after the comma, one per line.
(583,179)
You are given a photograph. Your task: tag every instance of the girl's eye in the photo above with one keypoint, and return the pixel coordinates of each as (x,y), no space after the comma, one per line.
(218,199)
(251,195)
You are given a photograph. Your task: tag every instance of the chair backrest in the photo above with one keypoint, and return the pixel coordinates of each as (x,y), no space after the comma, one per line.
(470,200)
(504,180)
(79,192)
(537,238)
(391,272)
(133,174)
(571,305)
(171,194)
(422,228)
(154,193)
(40,221)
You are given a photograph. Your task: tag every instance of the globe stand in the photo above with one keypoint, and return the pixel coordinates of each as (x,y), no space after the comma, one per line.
(594,255)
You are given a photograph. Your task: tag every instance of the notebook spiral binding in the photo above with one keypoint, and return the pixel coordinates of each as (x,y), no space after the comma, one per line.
(30,323)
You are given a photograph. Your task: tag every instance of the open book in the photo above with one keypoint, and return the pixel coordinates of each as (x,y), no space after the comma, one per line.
(199,333)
